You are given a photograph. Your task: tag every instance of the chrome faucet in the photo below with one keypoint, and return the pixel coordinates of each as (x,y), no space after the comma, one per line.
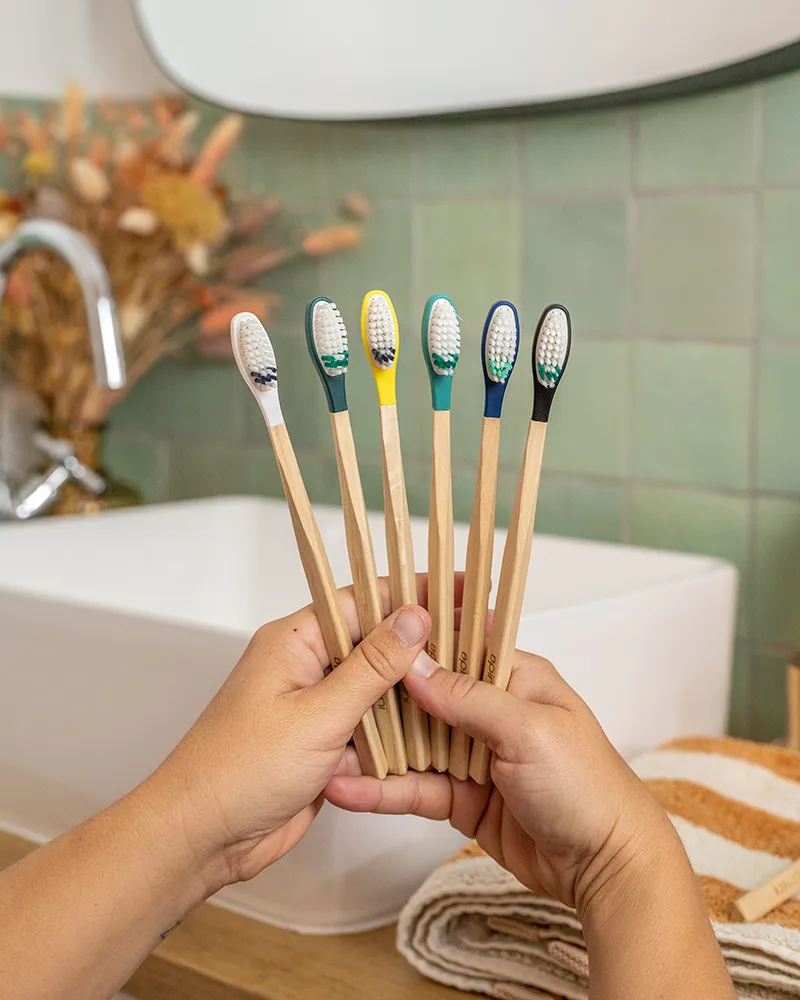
(109,364)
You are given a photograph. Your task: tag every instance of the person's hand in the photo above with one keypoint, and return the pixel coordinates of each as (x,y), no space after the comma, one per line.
(563,812)
(247,779)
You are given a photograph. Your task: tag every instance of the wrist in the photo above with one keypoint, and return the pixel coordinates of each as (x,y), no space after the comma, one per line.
(635,861)
(169,818)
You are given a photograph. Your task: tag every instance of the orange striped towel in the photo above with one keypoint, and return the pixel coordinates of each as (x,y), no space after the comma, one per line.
(736,806)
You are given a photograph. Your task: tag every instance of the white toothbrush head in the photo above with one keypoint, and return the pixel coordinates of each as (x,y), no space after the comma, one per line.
(330,338)
(255,359)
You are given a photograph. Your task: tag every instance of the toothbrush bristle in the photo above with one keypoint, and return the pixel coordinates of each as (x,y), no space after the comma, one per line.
(502,342)
(551,348)
(330,338)
(255,350)
(381,332)
(444,337)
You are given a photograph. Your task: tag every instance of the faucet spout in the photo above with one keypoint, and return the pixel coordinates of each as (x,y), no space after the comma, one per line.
(104,330)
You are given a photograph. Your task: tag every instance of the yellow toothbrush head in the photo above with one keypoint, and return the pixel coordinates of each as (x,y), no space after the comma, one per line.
(381,336)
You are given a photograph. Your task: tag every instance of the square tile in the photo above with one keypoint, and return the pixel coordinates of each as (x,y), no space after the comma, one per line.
(466,158)
(148,404)
(467,409)
(320,476)
(782,129)
(471,252)
(777,576)
(580,509)
(585,151)
(739,714)
(372,484)
(207,470)
(780,318)
(711,524)
(138,460)
(383,260)
(587,429)
(373,159)
(418,486)
(694,268)
(705,141)
(463,494)
(295,284)
(691,414)
(575,253)
(283,159)
(201,401)
(504,500)
(768,682)
(778,419)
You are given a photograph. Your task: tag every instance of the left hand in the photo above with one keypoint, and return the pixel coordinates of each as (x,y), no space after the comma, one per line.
(246,781)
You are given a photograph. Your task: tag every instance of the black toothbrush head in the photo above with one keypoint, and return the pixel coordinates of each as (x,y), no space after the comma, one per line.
(551,346)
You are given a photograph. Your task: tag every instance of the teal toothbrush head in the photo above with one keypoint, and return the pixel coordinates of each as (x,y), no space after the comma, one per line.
(326,336)
(441,347)
(551,346)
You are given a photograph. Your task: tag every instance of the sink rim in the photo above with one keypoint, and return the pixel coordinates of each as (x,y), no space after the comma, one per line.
(698,566)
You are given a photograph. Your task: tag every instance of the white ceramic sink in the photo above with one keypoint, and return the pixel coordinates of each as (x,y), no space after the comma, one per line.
(115,631)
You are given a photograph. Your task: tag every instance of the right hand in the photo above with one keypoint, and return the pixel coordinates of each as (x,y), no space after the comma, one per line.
(564,813)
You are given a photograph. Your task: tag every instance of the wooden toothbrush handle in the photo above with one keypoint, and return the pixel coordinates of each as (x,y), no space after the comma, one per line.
(793,703)
(440,573)
(477,581)
(317,568)
(402,579)
(757,903)
(365,580)
(511,588)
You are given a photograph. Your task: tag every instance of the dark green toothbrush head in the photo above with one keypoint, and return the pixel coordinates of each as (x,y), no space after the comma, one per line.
(326,336)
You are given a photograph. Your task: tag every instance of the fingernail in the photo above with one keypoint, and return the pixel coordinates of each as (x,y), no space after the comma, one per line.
(410,626)
(423,665)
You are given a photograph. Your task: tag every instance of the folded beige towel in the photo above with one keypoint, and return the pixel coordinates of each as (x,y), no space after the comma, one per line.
(736,806)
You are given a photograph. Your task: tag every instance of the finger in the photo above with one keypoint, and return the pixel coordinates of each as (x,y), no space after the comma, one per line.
(417,794)
(533,678)
(382,659)
(483,711)
(349,765)
(303,626)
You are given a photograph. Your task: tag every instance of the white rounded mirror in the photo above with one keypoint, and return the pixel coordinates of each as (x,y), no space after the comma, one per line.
(369,59)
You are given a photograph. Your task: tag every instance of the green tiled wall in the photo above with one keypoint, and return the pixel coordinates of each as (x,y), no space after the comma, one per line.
(670,230)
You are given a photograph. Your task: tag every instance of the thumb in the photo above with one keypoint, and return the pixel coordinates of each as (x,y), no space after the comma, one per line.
(377,663)
(485,712)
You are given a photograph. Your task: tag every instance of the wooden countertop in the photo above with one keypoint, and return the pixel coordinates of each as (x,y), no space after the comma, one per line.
(217,955)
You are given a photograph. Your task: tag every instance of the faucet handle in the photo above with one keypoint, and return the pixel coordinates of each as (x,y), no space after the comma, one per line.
(62,451)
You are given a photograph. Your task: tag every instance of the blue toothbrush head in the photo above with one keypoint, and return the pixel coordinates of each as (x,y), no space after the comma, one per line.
(499,350)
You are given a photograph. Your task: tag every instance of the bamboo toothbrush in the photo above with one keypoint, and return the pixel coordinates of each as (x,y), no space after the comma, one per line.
(793,704)
(381,336)
(499,350)
(551,346)
(441,346)
(255,359)
(326,336)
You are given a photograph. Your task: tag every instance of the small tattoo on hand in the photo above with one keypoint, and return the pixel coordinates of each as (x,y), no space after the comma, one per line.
(165,934)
